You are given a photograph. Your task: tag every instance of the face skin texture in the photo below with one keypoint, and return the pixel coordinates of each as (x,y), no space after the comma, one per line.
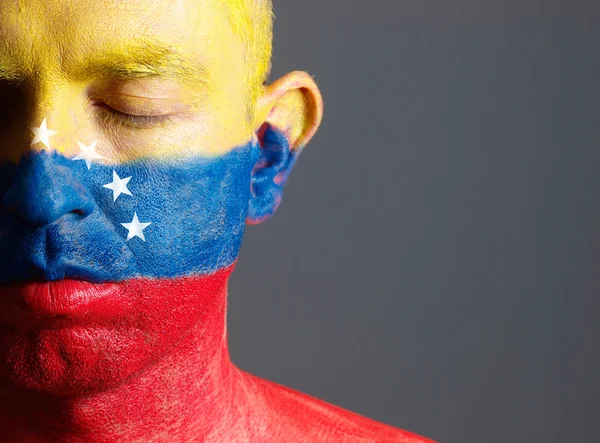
(108,332)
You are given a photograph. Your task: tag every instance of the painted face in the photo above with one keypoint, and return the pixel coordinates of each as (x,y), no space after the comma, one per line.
(128,170)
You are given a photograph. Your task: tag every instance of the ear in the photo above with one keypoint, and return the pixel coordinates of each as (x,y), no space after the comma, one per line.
(288,113)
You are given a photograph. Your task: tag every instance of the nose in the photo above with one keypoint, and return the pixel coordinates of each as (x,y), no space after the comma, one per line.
(44,189)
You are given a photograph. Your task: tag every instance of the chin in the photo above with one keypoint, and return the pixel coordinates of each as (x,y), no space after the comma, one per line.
(76,360)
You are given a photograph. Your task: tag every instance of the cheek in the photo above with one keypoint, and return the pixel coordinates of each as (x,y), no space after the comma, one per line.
(196,209)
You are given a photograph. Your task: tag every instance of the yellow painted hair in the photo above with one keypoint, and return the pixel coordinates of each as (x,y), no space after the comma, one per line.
(253,21)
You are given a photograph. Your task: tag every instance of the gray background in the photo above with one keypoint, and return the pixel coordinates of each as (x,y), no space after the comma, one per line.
(435,262)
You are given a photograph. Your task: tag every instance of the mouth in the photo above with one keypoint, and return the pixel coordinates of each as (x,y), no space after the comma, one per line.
(66,302)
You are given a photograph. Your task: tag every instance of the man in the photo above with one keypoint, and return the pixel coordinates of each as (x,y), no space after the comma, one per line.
(138,139)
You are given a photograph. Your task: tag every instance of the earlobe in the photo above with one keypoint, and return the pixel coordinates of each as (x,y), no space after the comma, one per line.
(288,115)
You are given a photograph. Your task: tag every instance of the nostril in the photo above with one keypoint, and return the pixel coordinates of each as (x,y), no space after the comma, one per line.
(81,210)
(84,209)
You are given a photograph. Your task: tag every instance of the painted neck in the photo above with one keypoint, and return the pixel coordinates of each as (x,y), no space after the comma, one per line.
(187,394)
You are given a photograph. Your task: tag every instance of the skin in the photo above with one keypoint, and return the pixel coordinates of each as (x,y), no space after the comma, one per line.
(176,382)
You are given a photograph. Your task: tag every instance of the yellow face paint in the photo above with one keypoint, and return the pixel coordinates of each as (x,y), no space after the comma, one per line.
(178,66)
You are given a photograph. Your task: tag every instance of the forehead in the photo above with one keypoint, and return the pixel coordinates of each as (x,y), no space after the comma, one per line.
(56,35)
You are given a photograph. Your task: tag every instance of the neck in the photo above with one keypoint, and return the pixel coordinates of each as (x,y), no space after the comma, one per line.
(191,393)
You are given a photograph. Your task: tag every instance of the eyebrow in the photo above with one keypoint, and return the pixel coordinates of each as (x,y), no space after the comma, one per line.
(136,60)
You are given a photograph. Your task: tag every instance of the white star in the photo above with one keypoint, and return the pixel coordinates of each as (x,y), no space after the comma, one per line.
(88,153)
(136,228)
(42,134)
(118,185)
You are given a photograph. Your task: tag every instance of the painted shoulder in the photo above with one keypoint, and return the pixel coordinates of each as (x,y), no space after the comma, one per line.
(298,417)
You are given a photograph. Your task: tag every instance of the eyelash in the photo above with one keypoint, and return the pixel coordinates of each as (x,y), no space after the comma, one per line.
(112,118)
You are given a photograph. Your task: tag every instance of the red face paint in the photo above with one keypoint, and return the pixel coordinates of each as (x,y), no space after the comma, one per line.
(151,365)
(69,337)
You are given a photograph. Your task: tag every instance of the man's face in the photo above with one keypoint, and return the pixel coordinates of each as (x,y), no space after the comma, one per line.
(108,174)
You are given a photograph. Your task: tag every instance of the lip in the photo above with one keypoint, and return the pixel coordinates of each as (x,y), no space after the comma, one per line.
(59,303)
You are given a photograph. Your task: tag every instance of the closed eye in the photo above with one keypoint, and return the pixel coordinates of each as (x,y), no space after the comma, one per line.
(112,118)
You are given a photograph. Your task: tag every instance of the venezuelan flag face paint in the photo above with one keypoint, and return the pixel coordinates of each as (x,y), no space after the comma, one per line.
(117,241)
(90,243)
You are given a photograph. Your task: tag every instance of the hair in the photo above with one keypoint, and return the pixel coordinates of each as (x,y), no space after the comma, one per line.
(253,22)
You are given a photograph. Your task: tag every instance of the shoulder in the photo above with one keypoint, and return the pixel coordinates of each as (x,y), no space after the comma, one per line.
(295,416)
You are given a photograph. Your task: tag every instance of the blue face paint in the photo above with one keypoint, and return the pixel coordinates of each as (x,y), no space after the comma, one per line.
(58,220)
